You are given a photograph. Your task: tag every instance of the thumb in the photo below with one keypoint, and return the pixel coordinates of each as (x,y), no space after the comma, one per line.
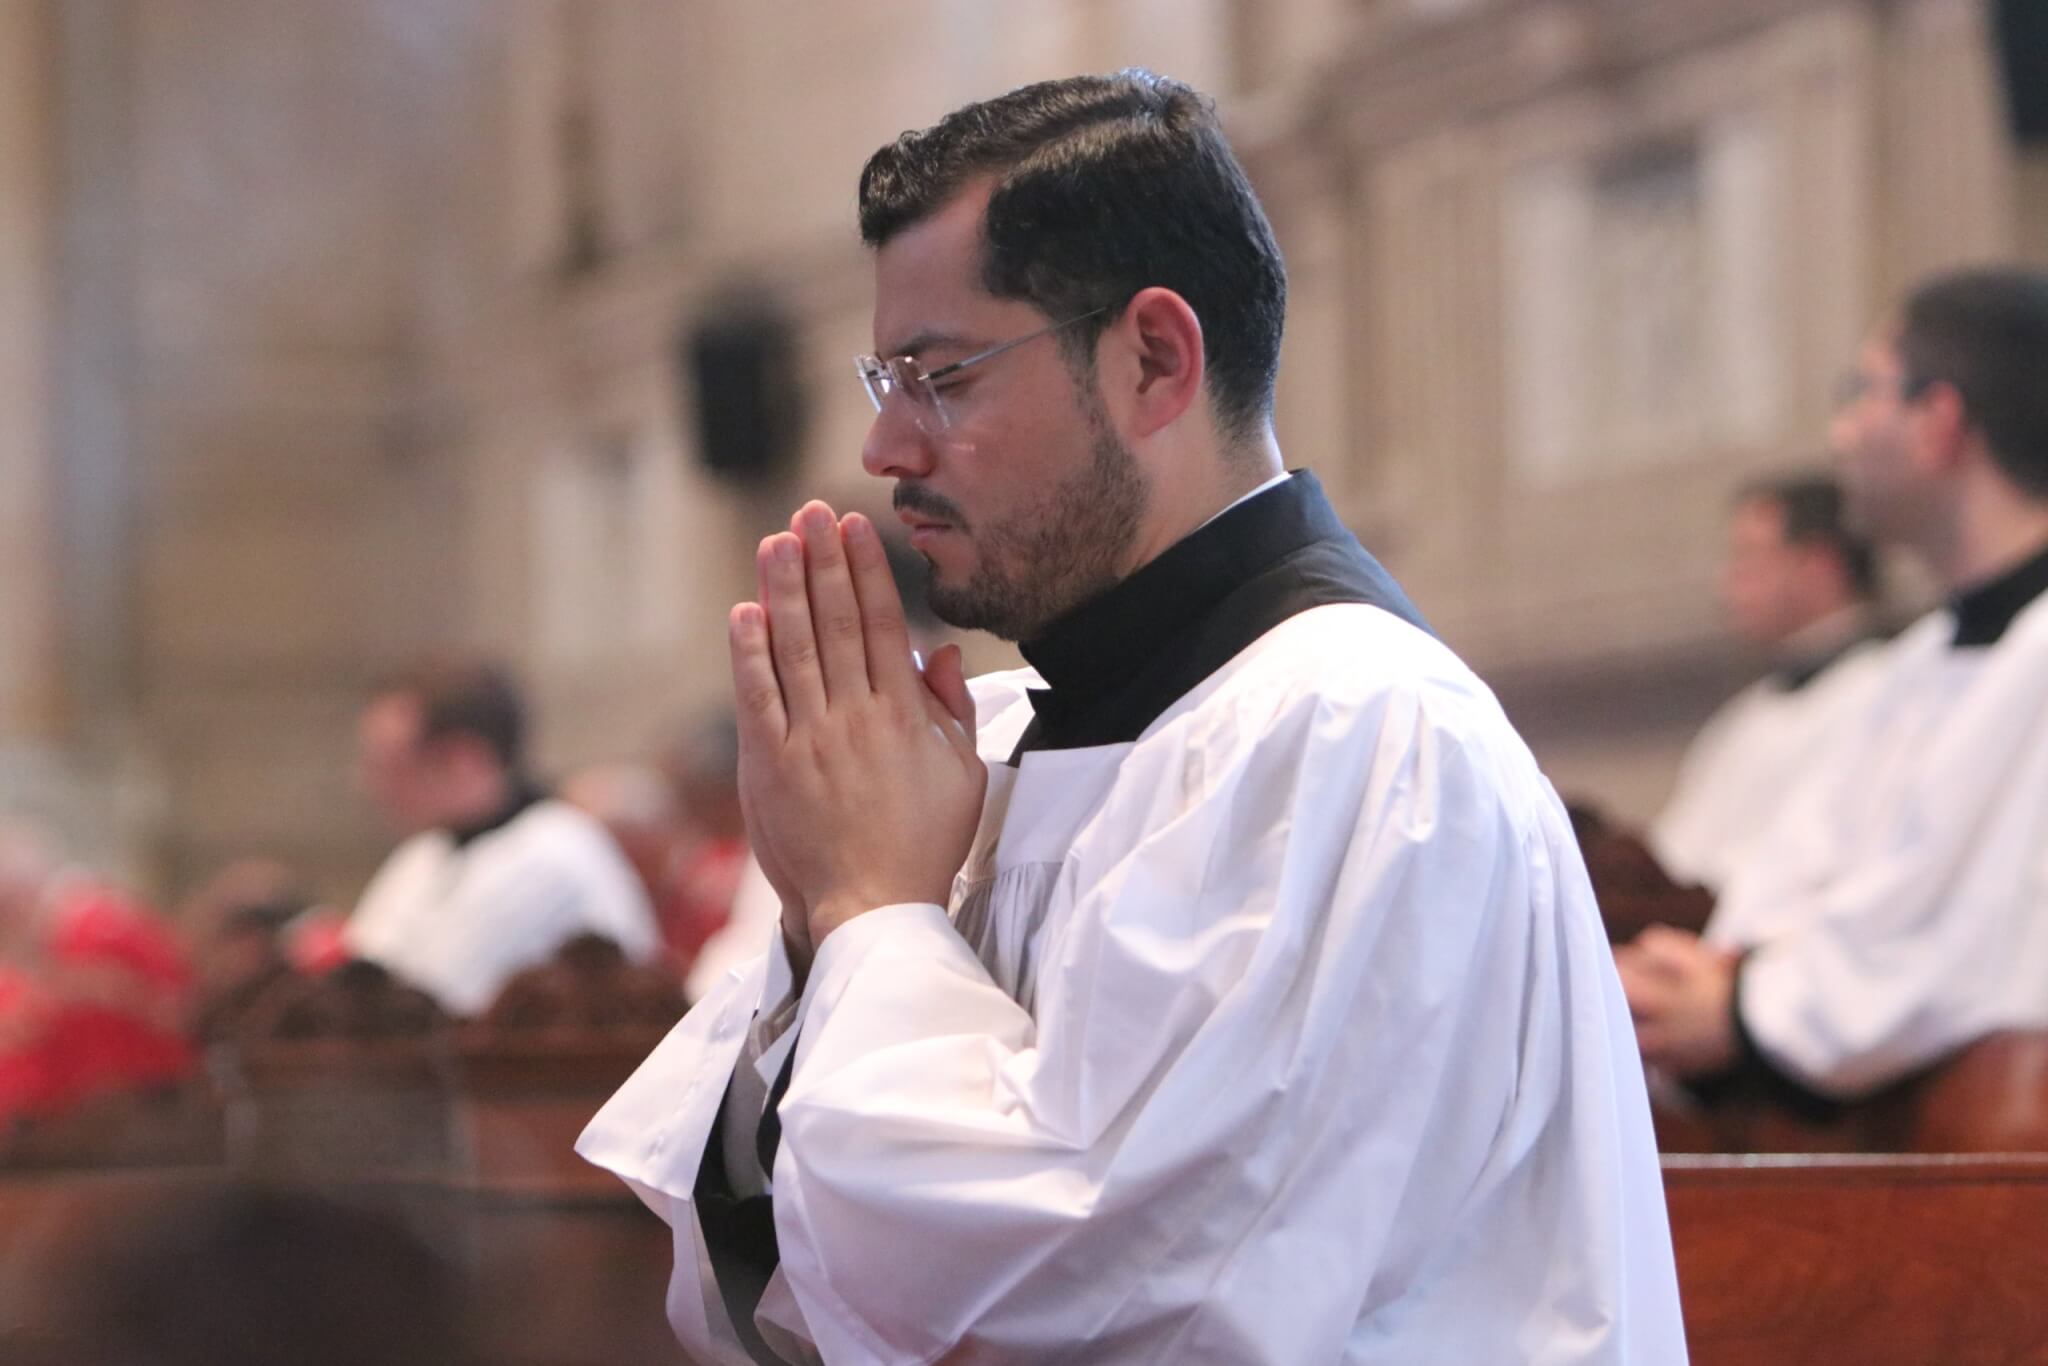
(946,676)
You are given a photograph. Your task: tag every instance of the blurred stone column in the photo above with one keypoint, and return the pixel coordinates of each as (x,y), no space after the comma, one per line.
(2031,188)
(30,675)
(1947,150)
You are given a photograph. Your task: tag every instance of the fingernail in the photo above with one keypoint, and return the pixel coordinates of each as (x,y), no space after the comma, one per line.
(856,527)
(918,660)
(787,550)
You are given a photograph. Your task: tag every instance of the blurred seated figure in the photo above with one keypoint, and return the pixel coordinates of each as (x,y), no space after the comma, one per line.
(589,987)
(494,875)
(1897,909)
(93,988)
(1798,585)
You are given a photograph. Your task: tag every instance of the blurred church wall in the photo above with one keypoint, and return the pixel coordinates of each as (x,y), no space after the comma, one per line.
(336,332)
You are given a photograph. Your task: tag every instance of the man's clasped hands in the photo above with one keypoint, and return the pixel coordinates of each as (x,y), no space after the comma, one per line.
(858,773)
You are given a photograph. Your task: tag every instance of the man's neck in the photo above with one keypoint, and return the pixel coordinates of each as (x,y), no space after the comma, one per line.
(1995,530)
(1276,480)
(484,807)
(1231,477)
(1825,635)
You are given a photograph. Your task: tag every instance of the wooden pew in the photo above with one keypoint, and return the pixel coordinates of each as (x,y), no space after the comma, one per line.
(554,1046)
(344,1076)
(1632,888)
(544,1277)
(355,1088)
(1989,1097)
(1866,1259)
(1875,1260)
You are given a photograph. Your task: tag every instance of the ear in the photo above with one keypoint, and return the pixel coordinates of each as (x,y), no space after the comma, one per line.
(1154,358)
(1821,570)
(468,750)
(1941,427)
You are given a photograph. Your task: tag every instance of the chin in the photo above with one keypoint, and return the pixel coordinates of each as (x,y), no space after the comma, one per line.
(952,569)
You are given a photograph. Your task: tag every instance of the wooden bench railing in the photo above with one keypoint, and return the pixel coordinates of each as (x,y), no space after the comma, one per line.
(1879,1261)
(544,1276)
(465,1133)
(1991,1097)
(1901,1260)
(357,1088)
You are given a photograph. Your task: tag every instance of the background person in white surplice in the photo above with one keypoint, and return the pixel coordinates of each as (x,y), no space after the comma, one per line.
(1899,908)
(494,875)
(1798,585)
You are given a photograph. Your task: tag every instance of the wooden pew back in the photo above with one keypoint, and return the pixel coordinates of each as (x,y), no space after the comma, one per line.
(1990,1097)
(1905,1260)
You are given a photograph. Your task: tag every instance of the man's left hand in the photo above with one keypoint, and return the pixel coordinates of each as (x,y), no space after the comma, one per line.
(1681,992)
(859,776)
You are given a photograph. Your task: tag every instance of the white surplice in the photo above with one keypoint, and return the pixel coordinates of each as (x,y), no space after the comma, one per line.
(1901,908)
(1287,1033)
(1754,750)
(458,920)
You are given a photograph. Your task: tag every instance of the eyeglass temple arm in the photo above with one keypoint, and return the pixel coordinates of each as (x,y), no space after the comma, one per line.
(1001,347)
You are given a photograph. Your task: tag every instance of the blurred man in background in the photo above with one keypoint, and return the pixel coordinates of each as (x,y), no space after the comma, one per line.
(1899,907)
(1799,586)
(494,875)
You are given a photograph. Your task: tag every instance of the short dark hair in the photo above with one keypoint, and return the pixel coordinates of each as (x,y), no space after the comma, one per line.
(1815,513)
(1106,185)
(1985,332)
(470,697)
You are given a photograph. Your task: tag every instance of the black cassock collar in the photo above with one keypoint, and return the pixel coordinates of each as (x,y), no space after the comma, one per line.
(1115,663)
(1983,613)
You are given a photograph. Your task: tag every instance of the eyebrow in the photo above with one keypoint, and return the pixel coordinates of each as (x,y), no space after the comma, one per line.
(930,340)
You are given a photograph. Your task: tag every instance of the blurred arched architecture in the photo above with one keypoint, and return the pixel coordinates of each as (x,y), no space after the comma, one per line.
(329,332)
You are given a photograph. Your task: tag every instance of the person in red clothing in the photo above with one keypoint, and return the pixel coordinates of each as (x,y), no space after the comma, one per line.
(93,989)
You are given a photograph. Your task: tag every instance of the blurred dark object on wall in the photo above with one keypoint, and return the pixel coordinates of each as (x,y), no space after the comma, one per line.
(743,379)
(2023,44)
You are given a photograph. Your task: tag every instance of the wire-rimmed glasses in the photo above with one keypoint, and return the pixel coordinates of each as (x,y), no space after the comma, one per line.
(907,376)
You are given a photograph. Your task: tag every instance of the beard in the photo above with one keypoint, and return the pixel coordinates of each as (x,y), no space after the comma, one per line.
(1046,560)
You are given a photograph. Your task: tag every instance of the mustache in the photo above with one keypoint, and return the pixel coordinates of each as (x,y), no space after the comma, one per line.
(922,501)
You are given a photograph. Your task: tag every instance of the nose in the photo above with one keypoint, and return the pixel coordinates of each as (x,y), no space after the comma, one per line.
(896,448)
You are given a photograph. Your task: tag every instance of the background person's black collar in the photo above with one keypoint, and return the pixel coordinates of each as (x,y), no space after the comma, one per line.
(1113,664)
(1985,612)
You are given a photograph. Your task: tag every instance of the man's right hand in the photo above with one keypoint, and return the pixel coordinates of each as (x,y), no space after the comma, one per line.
(834,566)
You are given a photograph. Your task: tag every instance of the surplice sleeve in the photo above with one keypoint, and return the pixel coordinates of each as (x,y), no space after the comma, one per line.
(654,1131)
(1909,950)
(1288,1002)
